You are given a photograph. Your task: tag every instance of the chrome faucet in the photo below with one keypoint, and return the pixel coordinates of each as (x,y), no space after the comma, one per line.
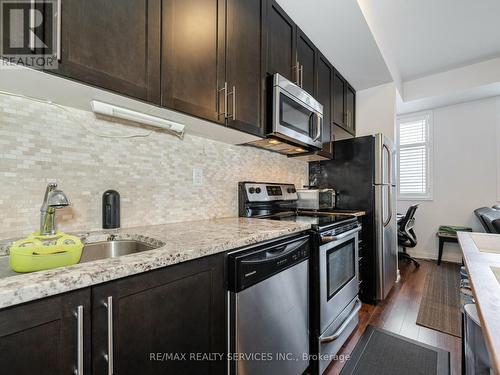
(53,199)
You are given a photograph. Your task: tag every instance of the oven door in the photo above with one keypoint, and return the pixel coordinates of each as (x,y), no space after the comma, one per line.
(338,276)
(295,120)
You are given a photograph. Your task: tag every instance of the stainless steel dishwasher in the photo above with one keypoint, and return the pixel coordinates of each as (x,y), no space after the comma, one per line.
(268,305)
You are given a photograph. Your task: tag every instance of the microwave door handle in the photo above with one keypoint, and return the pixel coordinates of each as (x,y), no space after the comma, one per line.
(318,127)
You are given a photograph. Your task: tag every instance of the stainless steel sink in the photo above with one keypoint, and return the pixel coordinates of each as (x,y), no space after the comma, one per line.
(111,249)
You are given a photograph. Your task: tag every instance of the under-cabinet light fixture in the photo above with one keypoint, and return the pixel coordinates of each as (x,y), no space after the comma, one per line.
(128,114)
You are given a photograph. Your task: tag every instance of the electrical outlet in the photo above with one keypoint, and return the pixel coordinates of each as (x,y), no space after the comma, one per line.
(197,176)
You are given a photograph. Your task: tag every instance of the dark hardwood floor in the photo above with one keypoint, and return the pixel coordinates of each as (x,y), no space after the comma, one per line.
(398,314)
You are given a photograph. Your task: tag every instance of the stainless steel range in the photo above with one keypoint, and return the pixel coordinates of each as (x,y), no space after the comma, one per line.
(333,300)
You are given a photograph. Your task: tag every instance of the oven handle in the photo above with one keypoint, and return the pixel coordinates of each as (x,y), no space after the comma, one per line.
(344,325)
(327,239)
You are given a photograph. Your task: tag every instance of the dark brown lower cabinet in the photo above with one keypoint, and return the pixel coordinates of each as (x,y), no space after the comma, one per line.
(41,337)
(167,321)
(162,322)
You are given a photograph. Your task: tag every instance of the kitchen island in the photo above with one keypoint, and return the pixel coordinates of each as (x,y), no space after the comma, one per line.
(481,254)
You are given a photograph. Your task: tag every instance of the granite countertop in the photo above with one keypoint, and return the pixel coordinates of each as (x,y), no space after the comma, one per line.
(179,242)
(482,258)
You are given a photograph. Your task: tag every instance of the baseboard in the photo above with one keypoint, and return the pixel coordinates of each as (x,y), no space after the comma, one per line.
(432,255)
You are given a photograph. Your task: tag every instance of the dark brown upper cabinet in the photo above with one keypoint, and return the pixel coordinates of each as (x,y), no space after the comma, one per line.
(306,62)
(112,44)
(212,61)
(244,76)
(350,109)
(281,43)
(324,89)
(344,104)
(41,337)
(207,58)
(338,100)
(178,309)
(192,60)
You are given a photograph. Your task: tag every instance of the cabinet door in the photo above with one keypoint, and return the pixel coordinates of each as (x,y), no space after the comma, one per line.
(325,97)
(338,100)
(281,32)
(41,337)
(350,109)
(306,58)
(113,44)
(178,310)
(191,30)
(244,67)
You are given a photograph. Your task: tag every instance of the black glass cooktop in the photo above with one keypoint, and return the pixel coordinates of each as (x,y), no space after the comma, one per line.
(318,221)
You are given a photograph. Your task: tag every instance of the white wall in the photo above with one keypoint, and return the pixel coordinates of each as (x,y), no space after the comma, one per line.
(376,110)
(465,173)
(452,81)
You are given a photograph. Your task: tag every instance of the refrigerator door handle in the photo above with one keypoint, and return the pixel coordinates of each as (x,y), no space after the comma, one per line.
(389,164)
(389,176)
(389,204)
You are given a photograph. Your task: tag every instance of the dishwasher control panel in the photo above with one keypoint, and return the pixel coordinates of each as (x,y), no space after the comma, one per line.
(247,268)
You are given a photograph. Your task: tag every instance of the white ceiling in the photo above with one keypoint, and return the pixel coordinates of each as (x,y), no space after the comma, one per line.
(430,36)
(339,30)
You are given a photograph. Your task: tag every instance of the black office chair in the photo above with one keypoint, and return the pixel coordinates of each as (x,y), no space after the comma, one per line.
(489,218)
(479,212)
(406,234)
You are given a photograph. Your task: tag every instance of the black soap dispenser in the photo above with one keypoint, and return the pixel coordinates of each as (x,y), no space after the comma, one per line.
(110,209)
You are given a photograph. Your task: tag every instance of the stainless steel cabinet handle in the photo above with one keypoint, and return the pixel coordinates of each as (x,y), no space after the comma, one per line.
(59,27)
(301,71)
(344,325)
(233,93)
(296,70)
(109,356)
(79,341)
(326,239)
(234,103)
(224,89)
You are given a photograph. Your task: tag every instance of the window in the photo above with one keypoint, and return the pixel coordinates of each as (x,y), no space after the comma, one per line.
(415,156)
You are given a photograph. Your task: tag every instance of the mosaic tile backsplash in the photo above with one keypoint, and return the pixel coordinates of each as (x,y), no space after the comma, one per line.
(41,142)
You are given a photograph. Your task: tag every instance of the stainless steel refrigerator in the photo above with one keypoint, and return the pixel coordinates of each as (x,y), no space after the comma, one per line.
(363,171)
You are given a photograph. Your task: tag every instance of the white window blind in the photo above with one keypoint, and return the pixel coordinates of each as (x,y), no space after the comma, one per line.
(415,151)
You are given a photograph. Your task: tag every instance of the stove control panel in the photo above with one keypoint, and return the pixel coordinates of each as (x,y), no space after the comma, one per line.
(265,192)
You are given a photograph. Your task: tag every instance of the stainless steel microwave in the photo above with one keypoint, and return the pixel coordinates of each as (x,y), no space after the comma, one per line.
(296,116)
(316,199)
